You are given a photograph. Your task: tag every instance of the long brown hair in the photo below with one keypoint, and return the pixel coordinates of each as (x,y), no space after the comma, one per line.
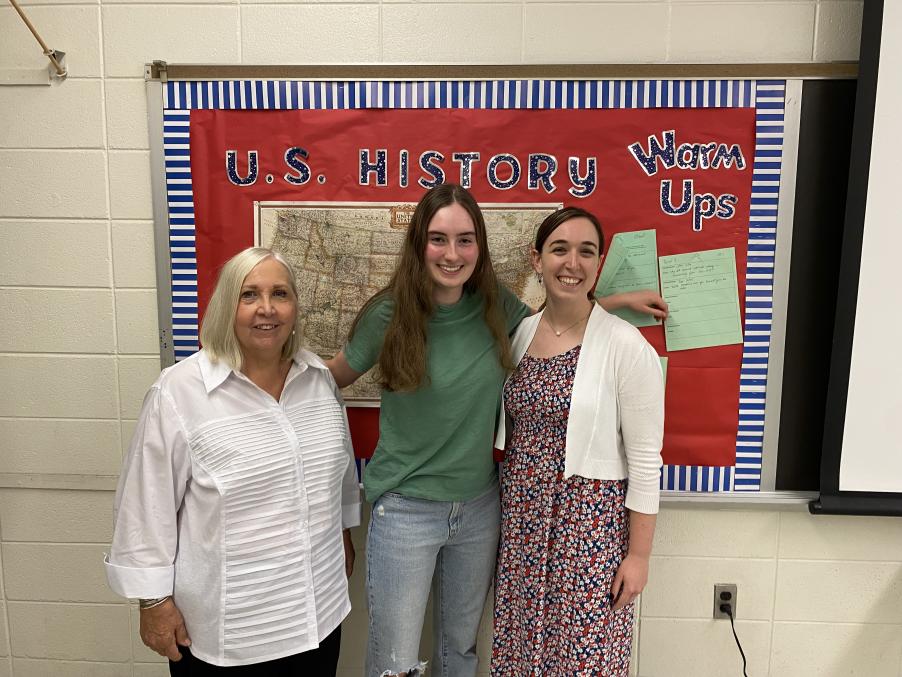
(402,361)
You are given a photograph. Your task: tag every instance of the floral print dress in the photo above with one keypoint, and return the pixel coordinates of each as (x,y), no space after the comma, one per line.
(561,542)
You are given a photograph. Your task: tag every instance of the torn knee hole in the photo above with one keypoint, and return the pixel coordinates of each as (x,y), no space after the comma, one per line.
(417,670)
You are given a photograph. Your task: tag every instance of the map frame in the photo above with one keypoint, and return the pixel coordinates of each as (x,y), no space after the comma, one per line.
(365,392)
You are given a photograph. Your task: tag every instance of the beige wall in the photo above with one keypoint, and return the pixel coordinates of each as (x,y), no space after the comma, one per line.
(77,332)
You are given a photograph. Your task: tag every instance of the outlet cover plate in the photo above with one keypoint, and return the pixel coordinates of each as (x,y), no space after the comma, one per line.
(724,592)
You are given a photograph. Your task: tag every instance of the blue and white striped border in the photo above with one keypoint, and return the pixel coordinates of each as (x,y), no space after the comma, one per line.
(182,245)
(480,94)
(746,474)
(766,96)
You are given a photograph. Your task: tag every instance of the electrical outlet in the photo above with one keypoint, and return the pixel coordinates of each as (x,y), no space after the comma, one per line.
(724,593)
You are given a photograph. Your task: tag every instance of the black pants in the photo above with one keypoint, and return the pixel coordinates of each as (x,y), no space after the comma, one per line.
(319,662)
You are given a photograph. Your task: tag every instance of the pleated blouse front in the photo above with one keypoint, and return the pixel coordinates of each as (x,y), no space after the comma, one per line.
(234,503)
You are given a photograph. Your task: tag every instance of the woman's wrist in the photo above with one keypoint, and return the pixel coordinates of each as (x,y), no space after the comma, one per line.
(152,602)
(610,302)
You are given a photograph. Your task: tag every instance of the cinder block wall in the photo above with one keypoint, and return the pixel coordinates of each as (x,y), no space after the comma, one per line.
(78,325)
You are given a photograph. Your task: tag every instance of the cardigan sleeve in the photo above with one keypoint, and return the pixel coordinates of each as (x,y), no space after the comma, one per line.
(641,398)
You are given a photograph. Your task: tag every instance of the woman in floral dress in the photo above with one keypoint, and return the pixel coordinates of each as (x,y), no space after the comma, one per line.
(585,412)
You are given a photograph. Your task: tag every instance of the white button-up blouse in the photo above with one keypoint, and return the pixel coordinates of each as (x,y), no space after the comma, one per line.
(234,504)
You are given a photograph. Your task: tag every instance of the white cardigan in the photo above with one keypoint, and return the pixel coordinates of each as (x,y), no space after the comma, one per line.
(616,423)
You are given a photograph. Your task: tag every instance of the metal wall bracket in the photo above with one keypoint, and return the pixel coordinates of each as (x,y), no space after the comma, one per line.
(157,70)
(42,77)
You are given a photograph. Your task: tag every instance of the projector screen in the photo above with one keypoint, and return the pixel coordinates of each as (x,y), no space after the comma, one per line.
(872,444)
(862,462)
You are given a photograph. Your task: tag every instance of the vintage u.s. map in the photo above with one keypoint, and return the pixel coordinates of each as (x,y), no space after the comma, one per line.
(344,253)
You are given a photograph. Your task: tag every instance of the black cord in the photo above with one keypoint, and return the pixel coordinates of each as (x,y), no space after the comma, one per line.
(728,610)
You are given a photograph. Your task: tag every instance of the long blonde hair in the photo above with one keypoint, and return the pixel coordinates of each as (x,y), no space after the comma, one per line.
(217,330)
(402,361)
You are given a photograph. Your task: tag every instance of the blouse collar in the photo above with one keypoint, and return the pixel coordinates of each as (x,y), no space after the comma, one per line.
(214,374)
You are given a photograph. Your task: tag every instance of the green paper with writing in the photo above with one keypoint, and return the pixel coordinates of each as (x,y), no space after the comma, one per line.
(703,298)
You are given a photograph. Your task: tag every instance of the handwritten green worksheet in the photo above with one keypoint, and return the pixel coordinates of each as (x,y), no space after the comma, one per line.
(664,368)
(700,289)
(630,264)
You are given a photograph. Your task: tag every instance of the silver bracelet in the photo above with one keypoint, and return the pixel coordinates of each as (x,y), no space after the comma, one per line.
(151,603)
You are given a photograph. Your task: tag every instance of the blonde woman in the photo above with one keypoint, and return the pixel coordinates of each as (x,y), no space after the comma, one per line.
(237,493)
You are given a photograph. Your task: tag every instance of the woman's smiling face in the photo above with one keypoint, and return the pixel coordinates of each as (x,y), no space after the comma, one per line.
(267,309)
(568,262)
(451,252)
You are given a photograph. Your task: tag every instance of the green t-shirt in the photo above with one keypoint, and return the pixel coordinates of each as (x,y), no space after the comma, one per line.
(436,442)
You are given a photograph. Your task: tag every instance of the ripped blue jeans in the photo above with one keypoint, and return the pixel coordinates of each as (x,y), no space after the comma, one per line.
(413,545)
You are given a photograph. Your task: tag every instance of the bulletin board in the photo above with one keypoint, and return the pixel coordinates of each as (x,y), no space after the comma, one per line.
(706,163)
